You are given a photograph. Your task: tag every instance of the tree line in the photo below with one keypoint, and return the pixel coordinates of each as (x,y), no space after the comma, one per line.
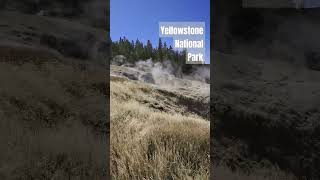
(136,50)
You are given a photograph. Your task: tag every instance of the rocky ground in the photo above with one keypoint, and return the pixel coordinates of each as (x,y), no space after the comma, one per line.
(158,78)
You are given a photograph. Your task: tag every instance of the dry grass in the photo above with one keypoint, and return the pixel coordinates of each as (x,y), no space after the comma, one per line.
(67,153)
(19,55)
(261,174)
(147,143)
(52,118)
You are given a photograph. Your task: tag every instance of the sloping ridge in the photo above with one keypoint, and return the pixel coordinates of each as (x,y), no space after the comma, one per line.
(269,3)
(68,38)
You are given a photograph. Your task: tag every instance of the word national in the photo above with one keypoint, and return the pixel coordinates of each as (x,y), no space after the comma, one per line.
(171,30)
(188,44)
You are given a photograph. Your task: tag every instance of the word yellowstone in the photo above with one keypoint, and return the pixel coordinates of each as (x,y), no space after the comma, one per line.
(181,30)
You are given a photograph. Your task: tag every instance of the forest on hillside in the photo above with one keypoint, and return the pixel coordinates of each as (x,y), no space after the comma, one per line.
(137,50)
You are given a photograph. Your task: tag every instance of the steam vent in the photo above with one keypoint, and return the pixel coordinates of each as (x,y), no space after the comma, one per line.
(299,4)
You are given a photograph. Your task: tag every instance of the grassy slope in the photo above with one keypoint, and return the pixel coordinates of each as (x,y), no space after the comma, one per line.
(258,174)
(154,135)
(265,95)
(262,103)
(152,143)
(52,116)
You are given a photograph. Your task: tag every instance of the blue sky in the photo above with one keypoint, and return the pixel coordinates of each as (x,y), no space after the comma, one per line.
(139,19)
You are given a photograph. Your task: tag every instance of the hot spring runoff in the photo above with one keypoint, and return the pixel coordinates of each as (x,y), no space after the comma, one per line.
(189,36)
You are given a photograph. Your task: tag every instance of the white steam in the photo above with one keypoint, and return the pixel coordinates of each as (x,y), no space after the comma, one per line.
(163,73)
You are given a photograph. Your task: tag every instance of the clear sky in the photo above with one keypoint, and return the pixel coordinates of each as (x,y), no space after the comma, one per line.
(139,19)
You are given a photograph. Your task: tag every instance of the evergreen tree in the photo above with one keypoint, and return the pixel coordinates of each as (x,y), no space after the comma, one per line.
(171,54)
(114,49)
(139,50)
(136,50)
(132,55)
(165,51)
(149,50)
(159,51)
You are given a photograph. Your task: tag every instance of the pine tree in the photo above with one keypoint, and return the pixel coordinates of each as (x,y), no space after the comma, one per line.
(114,49)
(136,50)
(171,54)
(165,51)
(159,51)
(149,50)
(139,51)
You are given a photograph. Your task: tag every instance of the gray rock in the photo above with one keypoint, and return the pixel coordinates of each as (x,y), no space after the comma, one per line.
(67,47)
(81,46)
(130,76)
(118,60)
(147,78)
(313,60)
(128,65)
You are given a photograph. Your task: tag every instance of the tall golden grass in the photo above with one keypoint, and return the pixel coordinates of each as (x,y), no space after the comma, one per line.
(52,117)
(147,143)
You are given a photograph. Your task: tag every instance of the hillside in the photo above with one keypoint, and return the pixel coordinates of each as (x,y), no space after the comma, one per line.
(53,105)
(57,36)
(92,13)
(265,95)
(160,129)
(271,107)
(154,135)
(270,4)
